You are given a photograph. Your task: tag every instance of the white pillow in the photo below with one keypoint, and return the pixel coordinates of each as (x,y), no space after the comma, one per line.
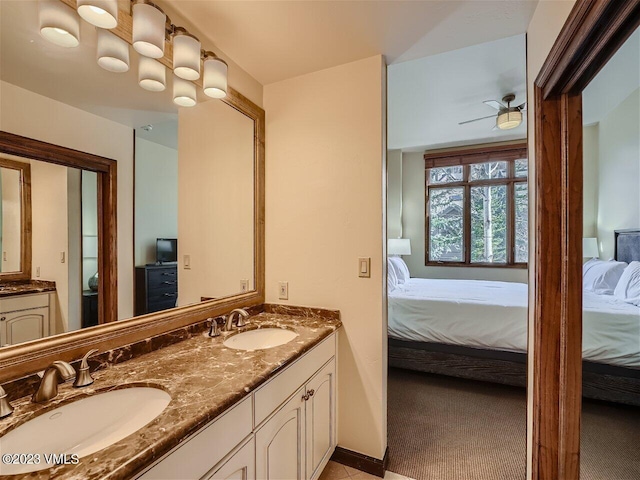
(601,277)
(401,269)
(628,288)
(392,278)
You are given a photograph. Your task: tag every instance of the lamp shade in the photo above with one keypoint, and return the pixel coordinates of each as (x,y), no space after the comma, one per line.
(152,75)
(184,92)
(186,55)
(148,29)
(101,13)
(508,120)
(590,248)
(58,23)
(399,246)
(113,52)
(214,82)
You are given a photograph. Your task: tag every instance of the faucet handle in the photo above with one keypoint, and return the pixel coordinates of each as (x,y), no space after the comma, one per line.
(5,407)
(214,330)
(83,377)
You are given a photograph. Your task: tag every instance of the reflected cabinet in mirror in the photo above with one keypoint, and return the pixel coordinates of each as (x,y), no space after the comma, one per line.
(146,216)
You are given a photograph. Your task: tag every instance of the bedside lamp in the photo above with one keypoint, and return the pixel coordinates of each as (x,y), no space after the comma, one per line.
(590,248)
(399,246)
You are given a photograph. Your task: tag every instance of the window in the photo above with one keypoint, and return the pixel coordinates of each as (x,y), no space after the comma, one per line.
(477,207)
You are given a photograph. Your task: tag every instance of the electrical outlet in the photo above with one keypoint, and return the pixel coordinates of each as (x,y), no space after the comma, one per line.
(187,262)
(37,272)
(283,290)
(4,256)
(244,286)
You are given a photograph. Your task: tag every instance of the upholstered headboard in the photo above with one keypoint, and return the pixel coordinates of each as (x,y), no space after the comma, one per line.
(627,245)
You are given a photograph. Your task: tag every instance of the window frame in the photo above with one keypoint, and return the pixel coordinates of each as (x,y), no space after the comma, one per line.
(466,157)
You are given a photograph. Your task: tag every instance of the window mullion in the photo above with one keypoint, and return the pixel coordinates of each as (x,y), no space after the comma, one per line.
(467,216)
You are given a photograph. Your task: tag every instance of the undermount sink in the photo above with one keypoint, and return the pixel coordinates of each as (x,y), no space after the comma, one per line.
(260,339)
(84,426)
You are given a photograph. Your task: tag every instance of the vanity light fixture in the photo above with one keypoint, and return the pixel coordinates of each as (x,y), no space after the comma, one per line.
(184,92)
(58,23)
(214,82)
(149,27)
(509,119)
(152,75)
(186,54)
(100,13)
(113,52)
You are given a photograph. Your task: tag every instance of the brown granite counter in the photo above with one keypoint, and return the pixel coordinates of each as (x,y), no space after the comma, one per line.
(203,377)
(10,289)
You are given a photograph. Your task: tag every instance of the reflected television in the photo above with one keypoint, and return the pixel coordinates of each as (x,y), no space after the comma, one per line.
(166,250)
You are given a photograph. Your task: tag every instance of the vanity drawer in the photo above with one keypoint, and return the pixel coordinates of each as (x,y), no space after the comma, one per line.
(273,394)
(195,457)
(24,302)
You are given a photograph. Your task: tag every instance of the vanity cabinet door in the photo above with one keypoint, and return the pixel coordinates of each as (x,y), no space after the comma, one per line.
(280,442)
(320,419)
(18,327)
(240,466)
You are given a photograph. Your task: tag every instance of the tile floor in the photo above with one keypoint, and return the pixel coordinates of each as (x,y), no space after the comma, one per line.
(337,471)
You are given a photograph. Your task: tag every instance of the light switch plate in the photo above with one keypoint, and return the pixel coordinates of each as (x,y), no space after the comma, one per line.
(62,257)
(244,286)
(364,267)
(187,262)
(38,272)
(283,290)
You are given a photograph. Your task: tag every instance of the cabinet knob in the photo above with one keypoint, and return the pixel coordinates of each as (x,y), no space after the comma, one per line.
(311,392)
(3,319)
(305,397)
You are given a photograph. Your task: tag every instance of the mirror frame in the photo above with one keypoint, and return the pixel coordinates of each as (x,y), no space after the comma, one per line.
(19,360)
(24,273)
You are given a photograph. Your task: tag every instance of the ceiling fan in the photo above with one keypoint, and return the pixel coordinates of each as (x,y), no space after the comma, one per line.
(507,117)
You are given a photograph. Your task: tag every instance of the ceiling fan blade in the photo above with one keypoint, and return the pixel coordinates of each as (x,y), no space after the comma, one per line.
(494,103)
(522,107)
(476,119)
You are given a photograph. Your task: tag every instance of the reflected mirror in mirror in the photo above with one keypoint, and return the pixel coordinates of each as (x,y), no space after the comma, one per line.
(10,218)
(185,179)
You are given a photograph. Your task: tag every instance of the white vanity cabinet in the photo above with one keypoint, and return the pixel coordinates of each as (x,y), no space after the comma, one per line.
(26,317)
(286,429)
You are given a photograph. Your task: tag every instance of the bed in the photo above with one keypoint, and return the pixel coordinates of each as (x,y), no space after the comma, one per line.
(478,330)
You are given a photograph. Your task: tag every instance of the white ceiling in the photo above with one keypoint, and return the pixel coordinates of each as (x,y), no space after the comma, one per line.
(274,40)
(427,98)
(614,83)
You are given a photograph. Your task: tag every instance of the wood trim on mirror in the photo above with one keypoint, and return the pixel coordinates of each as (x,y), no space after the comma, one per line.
(593,32)
(23,359)
(24,273)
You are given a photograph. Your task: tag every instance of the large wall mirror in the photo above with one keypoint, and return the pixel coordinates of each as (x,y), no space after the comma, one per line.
(164,229)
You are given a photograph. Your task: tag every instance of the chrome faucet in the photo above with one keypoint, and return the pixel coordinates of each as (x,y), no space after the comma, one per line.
(5,407)
(242,315)
(48,388)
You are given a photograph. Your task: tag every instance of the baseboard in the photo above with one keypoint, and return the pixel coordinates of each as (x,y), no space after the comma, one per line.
(362,462)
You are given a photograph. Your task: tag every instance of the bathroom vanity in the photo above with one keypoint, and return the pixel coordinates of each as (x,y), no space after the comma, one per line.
(27,312)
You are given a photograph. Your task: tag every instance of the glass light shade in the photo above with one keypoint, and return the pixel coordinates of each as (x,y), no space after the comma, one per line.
(509,120)
(58,23)
(148,30)
(101,13)
(186,56)
(590,248)
(152,75)
(399,246)
(214,82)
(113,52)
(184,92)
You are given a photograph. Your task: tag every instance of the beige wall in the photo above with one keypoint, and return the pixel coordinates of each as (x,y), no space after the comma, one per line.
(11,219)
(156,197)
(394,194)
(590,180)
(324,209)
(25,113)
(215,201)
(543,30)
(414,228)
(619,172)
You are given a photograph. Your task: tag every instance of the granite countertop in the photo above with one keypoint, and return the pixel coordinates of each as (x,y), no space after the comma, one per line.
(203,377)
(11,289)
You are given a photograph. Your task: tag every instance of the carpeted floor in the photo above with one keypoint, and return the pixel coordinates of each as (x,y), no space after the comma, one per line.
(442,428)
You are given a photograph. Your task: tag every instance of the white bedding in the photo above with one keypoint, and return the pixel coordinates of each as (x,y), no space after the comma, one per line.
(493,315)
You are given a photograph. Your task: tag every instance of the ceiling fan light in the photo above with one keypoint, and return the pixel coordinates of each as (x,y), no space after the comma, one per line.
(214,83)
(101,13)
(152,75)
(184,92)
(58,23)
(509,120)
(186,55)
(148,29)
(113,52)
